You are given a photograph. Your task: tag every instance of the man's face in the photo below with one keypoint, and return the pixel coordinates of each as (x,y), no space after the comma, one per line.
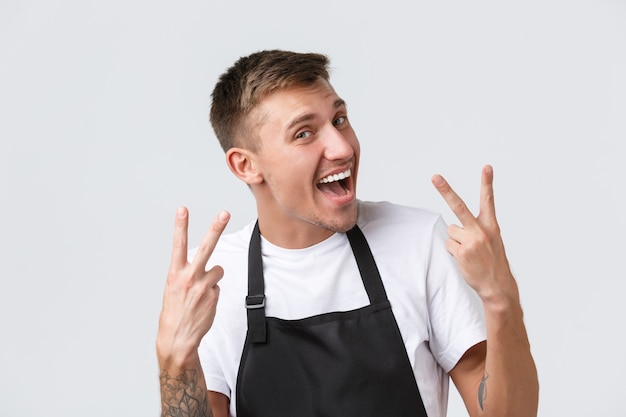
(308,159)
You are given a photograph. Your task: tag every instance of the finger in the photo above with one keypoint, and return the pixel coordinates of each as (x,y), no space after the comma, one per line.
(458,206)
(179,250)
(205,249)
(452,246)
(487,204)
(214,275)
(457,233)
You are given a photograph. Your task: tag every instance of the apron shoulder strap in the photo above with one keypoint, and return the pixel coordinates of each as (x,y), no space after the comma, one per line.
(255,301)
(367,266)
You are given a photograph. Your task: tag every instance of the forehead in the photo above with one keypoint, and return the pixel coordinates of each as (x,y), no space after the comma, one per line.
(284,106)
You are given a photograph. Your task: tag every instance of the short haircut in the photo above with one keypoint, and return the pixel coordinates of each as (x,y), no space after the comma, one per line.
(252,78)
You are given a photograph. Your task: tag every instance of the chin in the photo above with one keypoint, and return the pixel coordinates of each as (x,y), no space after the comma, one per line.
(339,228)
(347,225)
(342,223)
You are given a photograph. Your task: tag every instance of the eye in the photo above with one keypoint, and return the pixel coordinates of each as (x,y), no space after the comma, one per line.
(304,134)
(340,120)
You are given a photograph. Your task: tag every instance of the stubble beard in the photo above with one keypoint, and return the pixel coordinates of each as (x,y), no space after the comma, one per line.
(346,222)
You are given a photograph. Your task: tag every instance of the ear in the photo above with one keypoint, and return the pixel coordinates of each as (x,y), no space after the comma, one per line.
(242,163)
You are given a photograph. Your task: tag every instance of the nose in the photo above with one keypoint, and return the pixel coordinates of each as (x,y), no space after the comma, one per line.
(339,144)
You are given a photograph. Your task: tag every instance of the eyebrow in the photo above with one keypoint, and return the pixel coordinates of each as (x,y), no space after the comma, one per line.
(310,116)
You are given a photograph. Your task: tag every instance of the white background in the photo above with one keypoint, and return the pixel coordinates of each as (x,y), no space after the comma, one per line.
(104,132)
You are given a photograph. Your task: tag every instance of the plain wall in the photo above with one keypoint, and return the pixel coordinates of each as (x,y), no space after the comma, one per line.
(104,132)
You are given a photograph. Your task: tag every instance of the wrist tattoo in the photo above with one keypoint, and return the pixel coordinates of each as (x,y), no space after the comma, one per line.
(182,397)
(482,391)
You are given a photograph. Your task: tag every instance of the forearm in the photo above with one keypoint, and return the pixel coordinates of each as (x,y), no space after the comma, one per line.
(510,386)
(183,390)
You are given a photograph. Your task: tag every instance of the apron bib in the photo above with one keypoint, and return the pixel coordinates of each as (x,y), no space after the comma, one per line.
(339,364)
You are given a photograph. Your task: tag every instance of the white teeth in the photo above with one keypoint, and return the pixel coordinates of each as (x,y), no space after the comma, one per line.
(336,177)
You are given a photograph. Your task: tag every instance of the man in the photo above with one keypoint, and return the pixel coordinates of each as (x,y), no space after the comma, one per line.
(330,305)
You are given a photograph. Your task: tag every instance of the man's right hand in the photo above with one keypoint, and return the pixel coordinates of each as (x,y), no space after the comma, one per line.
(190,296)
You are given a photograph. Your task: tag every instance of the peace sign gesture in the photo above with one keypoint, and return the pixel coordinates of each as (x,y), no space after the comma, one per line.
(191,292)
(477,244)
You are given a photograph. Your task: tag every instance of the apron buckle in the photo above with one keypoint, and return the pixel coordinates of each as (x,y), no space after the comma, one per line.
(255,301)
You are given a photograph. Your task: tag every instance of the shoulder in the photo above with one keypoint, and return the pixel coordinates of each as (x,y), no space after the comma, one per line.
(383,219)
(370,211)
(401,237)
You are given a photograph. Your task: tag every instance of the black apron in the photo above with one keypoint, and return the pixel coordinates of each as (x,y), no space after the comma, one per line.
(340,364)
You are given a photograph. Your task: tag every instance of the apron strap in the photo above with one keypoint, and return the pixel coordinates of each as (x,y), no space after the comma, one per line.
(255,301)
(367,266)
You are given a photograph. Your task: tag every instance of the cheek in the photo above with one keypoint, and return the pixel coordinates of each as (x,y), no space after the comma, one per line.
(287,183)
(355,144)
(293,174)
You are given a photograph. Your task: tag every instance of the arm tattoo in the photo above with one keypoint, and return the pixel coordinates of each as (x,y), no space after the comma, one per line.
(482,391)
(182,397)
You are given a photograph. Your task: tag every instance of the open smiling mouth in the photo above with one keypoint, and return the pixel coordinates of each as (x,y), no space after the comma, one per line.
(336,184)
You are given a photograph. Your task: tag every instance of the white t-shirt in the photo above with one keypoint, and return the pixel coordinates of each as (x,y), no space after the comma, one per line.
(438,314)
